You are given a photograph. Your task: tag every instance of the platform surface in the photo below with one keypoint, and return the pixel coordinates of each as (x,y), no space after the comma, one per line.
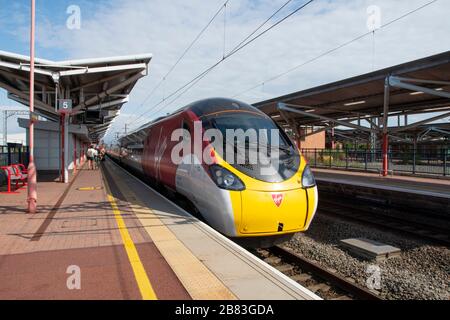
(128,242)
(433,187)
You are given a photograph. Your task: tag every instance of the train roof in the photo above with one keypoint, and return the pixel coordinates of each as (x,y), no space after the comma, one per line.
(201,108)
(214,105)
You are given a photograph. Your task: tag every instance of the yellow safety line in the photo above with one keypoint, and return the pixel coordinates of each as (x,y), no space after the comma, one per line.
(197,279)
(145,287)
(89,189)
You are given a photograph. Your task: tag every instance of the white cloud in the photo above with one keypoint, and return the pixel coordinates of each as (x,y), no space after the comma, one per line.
(16,138)
(165,28)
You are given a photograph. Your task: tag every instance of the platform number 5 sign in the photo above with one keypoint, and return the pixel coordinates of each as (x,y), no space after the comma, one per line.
(65,106)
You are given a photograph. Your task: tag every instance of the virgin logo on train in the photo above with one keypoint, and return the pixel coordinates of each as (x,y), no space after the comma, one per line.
(278,199)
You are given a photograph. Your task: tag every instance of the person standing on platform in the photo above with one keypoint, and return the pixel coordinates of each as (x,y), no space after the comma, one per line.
(91,155)
(102,153)
(97,157)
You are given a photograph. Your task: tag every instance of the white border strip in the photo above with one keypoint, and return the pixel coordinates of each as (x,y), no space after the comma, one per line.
(382,187)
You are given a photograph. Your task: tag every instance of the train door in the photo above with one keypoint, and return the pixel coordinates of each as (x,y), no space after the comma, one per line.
(146,152)
(202,187)
(149,154)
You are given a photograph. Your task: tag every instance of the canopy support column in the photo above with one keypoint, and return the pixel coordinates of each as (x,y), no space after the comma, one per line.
(75,160)
(66,149)
(385,136)
(32,171)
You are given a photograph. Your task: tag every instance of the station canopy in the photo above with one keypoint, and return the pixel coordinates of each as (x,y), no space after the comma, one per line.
(418,87)
(437,133)
(97,88)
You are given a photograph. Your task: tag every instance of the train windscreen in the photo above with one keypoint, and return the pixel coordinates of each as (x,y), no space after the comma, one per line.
(255,145)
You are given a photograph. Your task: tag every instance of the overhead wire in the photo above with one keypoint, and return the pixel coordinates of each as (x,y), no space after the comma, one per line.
(188,48)
(334,49)
(235,50)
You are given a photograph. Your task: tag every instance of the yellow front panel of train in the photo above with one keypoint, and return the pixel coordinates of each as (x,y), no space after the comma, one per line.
(312,194)
(273,213)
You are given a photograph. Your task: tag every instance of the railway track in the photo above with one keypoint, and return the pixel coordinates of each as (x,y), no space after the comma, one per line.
(386,219)
(324,282)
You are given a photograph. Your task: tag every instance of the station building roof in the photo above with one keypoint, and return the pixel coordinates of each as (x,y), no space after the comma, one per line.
(421,86)
(97,87)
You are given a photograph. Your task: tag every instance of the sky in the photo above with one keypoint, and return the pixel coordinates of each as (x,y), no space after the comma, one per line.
(165,29)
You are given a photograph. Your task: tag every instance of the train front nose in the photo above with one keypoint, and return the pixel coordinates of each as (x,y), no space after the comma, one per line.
(271,213)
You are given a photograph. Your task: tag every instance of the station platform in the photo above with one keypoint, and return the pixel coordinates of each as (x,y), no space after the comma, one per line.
(435,187)
(108,236)
(426,193)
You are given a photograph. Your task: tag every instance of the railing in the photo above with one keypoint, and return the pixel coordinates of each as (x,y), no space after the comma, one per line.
(433,162)
(14,155)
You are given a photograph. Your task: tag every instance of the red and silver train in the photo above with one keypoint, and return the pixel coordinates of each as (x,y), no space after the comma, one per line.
(238,200)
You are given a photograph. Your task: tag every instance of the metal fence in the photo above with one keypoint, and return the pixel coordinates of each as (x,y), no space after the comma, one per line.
(14,155)
(434,162)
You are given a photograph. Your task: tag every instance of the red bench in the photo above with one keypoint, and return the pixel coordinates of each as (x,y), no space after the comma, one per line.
(23,170)
(15,174)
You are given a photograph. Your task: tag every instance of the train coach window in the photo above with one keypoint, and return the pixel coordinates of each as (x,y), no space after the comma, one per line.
(240,121)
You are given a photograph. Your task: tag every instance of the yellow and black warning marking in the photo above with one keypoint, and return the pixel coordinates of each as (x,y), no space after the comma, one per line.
(90,188)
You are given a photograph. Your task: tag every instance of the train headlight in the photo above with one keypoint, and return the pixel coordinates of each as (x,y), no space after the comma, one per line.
(308,180)
(226,179)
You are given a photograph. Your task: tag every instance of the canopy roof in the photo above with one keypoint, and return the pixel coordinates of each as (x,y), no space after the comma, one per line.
(100,84)
(432,133)
(420,86)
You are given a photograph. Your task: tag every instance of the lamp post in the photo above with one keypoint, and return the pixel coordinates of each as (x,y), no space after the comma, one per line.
(32,174)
